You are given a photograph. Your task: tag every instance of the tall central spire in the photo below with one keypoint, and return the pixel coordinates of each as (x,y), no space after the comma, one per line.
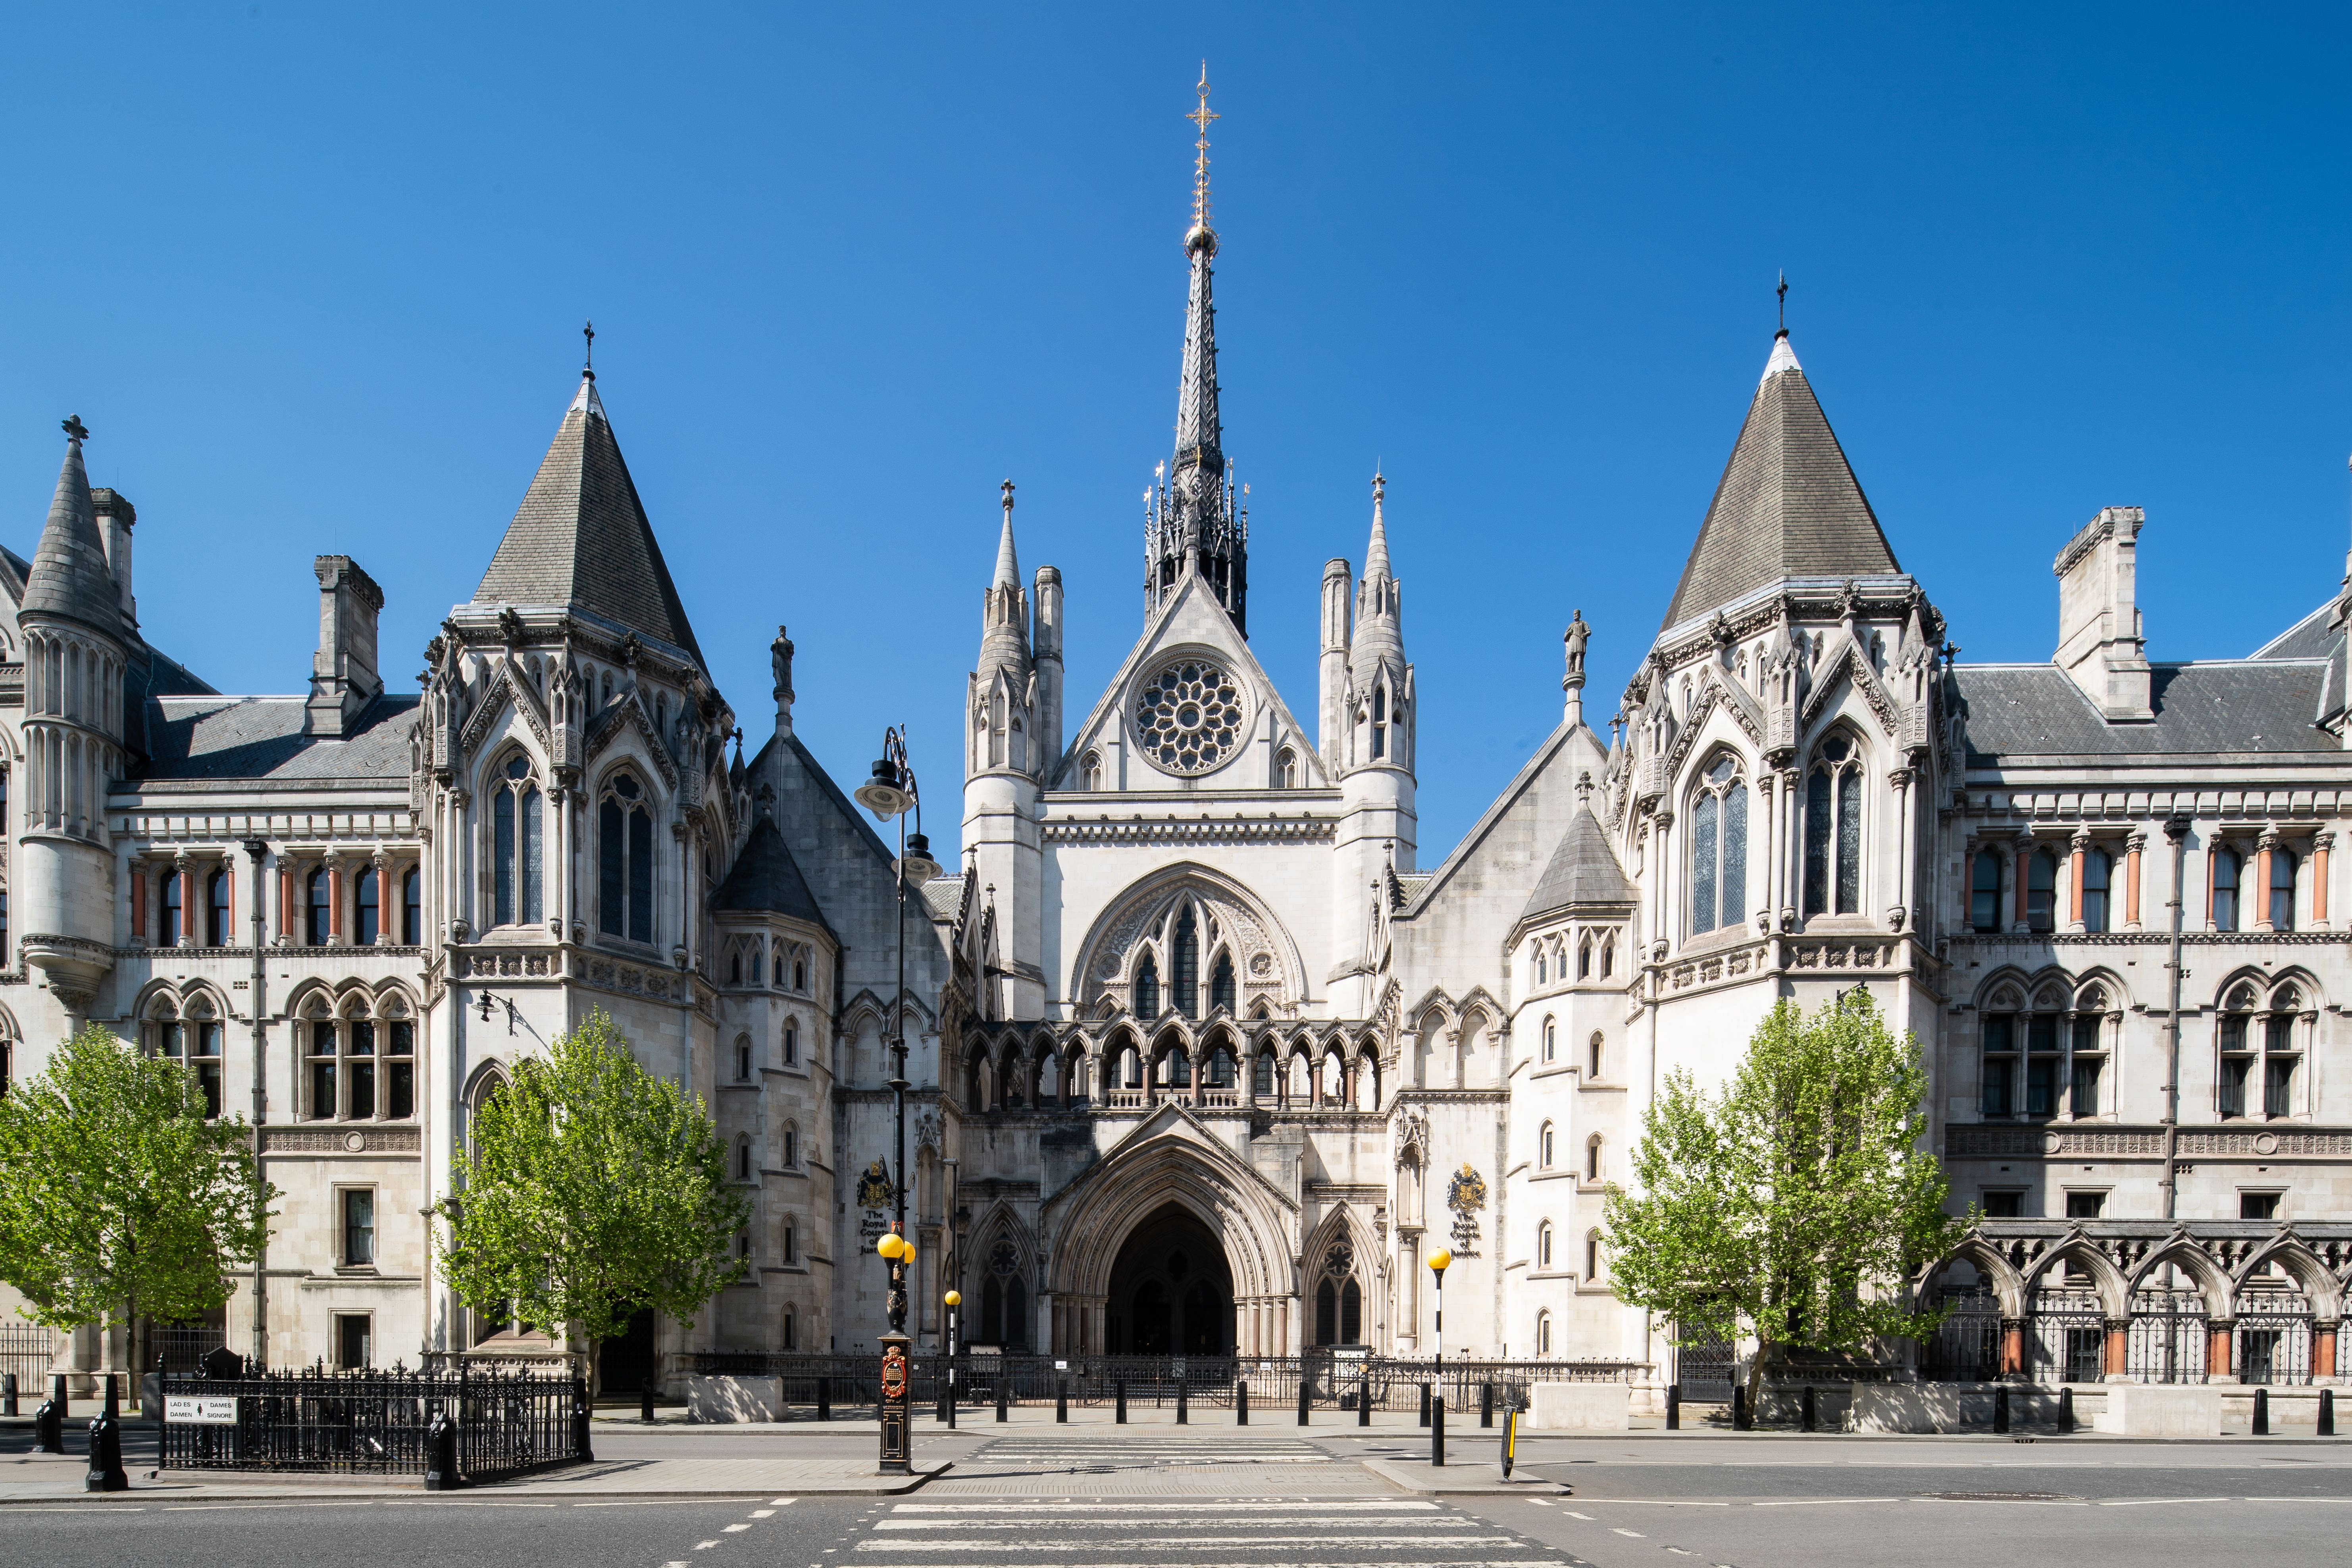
(1192,525)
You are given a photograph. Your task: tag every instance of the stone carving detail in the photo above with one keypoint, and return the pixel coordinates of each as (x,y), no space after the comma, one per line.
(1466,1196)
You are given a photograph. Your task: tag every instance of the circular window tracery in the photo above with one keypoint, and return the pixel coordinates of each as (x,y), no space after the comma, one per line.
(1190,716)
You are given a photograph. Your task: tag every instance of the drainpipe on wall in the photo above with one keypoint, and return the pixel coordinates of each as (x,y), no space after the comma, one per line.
(257,850)
(2177,829)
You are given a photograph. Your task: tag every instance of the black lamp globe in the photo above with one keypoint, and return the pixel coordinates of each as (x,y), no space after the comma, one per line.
(917,865)
(883,794)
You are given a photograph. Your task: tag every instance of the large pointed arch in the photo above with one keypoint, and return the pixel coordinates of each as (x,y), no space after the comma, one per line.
(1265,954)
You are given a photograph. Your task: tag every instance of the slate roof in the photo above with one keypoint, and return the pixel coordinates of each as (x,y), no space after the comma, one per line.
(767,879)
(70,575)
(581,538)
(1583,870)
(2310,637)
(261,738)
(2219,707)
(1788,505)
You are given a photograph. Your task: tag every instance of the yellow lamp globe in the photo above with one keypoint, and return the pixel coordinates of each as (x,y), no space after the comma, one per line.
(906,1250)
(954,1298)
(891,1245)
(1440,1258)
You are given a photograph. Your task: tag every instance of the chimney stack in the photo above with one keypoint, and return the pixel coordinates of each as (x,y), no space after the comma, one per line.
(344,679)
(2099,641)
(115,517)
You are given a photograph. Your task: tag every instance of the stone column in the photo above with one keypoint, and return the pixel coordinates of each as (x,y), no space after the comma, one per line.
(387,911)
(2323,1351)
(1792,847)
(181,864)
(559,803)
(2131,847)
(2217,1334)
(2117,1350)
(1902,778)
(2078,855)
(2022,863)
(2320,844)
(2264,848)
(334,898)
(2012,1347)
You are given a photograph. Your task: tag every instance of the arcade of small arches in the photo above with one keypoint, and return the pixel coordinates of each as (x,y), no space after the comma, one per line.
(2163,1307)
(1013,1067)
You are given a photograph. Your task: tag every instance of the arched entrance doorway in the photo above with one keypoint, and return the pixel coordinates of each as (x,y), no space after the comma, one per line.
(1171,1290)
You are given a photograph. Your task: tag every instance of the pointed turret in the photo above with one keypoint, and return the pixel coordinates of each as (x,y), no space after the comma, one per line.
(1788,506)
(1379,642)
(581,540)
(70,576)
(1004,685)
(1193,525)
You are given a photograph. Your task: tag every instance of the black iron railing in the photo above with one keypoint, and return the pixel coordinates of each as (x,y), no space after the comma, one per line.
(26,1350)
(379,1422)
(1332,1383)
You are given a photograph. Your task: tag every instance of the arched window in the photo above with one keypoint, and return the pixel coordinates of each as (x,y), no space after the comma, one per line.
(1593,1069)
(800,971)
(1834,830)
(1379,722)
(2041,890)
(792,1147)
(515,847)
(1543,1244)
(1984,892)
(1285,769)
(2023,1046)
(2282,890)
(1262,1083)
(1550,1040)
(412,908)
(791,1045)
(1146,987)
(2098,869)
(791,1318)
(1090,772)
(1592,1158)
(2087,1053)
(744,1058)
(1543,1334)
(1719,849)
(1221,983)
(174,926)
(1608,954)
(756,955)
(1187,974)
(735,967)
(321,893)
(1535,951)
(370,903)
(1584,957)
(220,889)
(792,1255)
(1543,1148)
(742,1159)
(2226,869)
(1326,1314)
(1593,1257)
(625,863)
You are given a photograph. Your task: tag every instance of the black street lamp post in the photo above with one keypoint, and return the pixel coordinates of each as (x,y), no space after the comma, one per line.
(892,792)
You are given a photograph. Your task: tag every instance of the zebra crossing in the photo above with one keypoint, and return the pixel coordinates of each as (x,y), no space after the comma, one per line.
(1237,1532)
(1147,1450)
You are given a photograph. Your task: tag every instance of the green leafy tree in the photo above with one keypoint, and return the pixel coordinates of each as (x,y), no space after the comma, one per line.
(1798,1203)
(592,1188)
(117,1197)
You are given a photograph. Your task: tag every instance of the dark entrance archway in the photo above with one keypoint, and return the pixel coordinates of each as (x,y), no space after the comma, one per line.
(1171,1290)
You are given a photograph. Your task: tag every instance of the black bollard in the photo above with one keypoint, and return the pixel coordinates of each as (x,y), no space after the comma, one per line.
(1486,1405)
(2066,1410)
(2326,1413)
(1062,1399)
(441,1454)
(1424,1405)
(1122,1402)
(8,1395)
(1674,1407)
(645,1401)
(2001,1410)
(1808,1412)
(1739,1418)
(1241,1402)
(2261,1413)
(1306,1393)
(50,1421)
(824,1398)
(105,1474)
(1364,1397)
(584,1446)
(1003,1378)
(1437,1429)
(1183,1410)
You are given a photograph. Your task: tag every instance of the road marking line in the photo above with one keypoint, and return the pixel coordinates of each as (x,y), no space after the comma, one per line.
(764,1513)
(704,1545)
(734,1528)
(1809,1501)
(2142,1501)
(1621,1530)
(1573,1514)
(1680,1552)
(2298,1499)
(1540,1503)
(779,1502)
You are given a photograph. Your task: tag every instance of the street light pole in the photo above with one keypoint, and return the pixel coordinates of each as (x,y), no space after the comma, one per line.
(892,792)
(1437,1262)
(954,1299)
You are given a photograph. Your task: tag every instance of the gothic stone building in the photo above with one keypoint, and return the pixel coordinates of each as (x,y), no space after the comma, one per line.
(1204,1057)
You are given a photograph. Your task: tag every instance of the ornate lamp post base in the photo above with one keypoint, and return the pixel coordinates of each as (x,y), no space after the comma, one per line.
(897,1458)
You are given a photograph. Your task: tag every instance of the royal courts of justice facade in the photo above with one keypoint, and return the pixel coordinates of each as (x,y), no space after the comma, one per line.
(1208,1055)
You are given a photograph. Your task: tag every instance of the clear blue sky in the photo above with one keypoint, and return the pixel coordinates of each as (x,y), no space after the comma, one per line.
(315,277)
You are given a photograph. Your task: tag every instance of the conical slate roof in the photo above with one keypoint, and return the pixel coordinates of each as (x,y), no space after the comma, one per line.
(1583,870)
(1788,506)
(767,879)
(580,539)
(69,574)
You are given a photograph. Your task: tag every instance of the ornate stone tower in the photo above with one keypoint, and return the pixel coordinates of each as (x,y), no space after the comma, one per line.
(1372,744)
(1011,739)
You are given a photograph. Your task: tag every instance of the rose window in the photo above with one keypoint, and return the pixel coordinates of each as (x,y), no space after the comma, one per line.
(1190,717)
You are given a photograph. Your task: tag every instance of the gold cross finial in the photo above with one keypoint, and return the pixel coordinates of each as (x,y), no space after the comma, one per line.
(1201,117)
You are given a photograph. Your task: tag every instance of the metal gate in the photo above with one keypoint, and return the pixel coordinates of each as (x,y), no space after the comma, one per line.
(2166,1342)
(2069,1336)
(2272,1344)
(1965,1346)
(28,1350)
(1704,1369)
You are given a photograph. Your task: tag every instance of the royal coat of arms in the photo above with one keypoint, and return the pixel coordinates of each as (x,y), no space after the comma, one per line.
(1466,1196)
(874,1189)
